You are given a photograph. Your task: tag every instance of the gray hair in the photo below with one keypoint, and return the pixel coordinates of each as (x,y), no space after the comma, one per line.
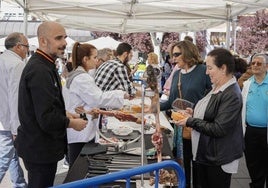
(13,39)
(263,56)
(102,53)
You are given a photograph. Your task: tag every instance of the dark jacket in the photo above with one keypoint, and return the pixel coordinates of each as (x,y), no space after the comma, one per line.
(221,135)
(42,134)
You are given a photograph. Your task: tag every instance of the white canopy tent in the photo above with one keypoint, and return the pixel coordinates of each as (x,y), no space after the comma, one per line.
(104,42)
(130,16)
(2,44)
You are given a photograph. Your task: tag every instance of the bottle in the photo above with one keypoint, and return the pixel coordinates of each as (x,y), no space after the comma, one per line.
(104,122)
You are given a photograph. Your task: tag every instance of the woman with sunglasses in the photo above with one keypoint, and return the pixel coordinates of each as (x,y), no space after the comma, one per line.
(194,84)
(255,118)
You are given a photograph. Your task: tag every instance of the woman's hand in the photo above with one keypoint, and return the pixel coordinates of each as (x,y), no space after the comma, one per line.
(186,113)
(189,111)
(181,122)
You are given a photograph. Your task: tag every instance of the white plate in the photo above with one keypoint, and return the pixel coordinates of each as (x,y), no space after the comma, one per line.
(122,131)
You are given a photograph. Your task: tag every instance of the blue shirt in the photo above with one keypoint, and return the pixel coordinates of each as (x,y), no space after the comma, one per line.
(257,103)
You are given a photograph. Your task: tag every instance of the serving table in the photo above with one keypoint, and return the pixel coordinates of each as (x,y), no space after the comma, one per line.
(80,168)
(95,160)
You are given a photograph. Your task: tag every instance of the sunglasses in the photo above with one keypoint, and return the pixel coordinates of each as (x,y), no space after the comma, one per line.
(177,54)
(256,63)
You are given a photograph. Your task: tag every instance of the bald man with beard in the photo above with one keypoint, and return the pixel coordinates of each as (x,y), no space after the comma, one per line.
(41,141)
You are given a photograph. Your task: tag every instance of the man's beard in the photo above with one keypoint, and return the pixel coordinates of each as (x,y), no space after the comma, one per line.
(125,60)
(62,54)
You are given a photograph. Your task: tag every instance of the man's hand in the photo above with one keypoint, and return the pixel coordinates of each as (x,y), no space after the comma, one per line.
(71,115)
(78,124)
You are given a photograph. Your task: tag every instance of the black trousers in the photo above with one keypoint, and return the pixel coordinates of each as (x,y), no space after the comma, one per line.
(212,177)
(40,175)
(187,161)
(74,150)
(256,154)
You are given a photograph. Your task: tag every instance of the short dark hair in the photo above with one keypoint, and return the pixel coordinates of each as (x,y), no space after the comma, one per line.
(223,56)
(189,38)
(123,47)
(13,39)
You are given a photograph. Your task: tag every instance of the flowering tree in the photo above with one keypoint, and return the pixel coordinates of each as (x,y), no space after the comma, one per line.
(252,36)
(97,34)
(139,41)
(201,41)
(167,40)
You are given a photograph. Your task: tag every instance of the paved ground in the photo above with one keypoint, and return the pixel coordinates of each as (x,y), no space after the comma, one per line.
(239,180)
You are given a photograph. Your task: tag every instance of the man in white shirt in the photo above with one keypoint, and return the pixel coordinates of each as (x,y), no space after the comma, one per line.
(11,66)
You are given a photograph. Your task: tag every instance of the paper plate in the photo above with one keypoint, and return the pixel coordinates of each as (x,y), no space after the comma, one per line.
(122,131)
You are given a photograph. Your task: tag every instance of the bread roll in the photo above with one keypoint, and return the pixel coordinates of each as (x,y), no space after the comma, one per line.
(176,116)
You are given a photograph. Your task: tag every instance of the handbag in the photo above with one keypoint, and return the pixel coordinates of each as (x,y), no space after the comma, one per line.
(186,131)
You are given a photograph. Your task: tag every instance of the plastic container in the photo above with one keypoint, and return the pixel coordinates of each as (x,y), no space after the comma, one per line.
(104,122)
(181,104)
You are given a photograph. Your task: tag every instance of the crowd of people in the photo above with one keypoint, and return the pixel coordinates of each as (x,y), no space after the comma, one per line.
(38,120)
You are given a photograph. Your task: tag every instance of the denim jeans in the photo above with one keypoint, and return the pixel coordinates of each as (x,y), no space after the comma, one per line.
(9,160)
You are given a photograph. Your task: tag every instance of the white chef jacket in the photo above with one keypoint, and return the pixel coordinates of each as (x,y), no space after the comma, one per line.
(84,92)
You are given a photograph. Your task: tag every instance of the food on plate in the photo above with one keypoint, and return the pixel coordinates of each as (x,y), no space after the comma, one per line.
(104,142)
(120,115)
(136,108)
(177,116)
(122,131)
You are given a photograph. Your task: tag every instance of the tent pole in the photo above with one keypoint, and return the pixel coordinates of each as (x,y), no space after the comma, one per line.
(228,28)
(25,16)
(234,34)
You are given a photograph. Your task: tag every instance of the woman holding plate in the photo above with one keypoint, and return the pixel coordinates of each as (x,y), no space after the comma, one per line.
(217,136)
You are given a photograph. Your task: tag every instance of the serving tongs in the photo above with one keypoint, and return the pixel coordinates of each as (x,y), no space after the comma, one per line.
(121,146)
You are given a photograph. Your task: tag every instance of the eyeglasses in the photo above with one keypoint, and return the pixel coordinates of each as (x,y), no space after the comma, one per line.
(176,54)
(257,63)
(25,45)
